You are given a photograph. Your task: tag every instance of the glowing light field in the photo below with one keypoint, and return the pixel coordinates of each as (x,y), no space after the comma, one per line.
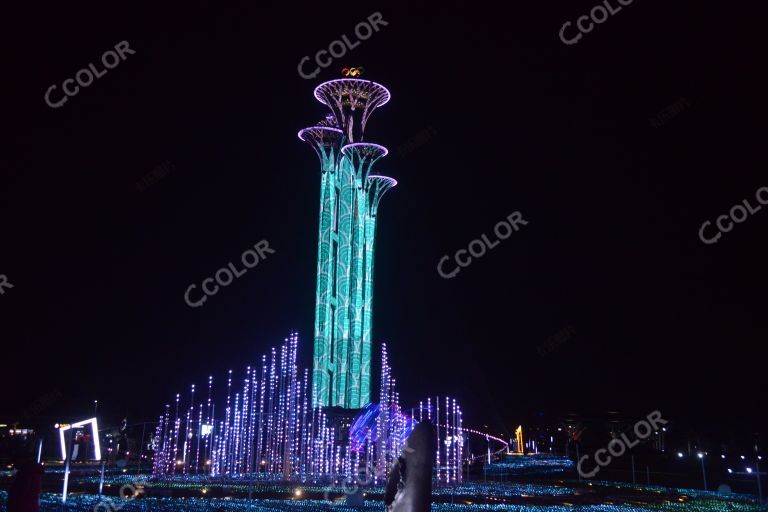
(266,429)
(465,501)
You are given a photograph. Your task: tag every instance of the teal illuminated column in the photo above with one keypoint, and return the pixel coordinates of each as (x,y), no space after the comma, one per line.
(349,198)
(377,186)
(326,142)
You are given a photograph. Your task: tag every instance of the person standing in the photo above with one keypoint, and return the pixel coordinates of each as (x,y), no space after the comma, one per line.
(24,493)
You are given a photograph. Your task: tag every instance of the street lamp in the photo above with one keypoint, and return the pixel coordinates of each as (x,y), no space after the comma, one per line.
(757,467)
(95,407)
(703,471)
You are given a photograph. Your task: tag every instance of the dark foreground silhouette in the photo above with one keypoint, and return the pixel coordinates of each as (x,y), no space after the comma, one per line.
(409,486)
(24,493)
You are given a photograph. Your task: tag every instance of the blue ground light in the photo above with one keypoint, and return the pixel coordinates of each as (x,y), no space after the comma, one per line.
(530,465)
(559,493)
(89,502)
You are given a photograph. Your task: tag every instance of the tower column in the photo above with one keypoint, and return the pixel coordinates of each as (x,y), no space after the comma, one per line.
(377,186)
(326,141)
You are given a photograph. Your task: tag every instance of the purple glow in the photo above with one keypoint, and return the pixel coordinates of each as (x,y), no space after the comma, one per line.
(301,132)
(364,427)
(387,95)
(270,431)
(385,178)
(384,150)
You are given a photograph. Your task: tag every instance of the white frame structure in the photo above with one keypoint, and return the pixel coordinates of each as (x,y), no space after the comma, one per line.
(95,431)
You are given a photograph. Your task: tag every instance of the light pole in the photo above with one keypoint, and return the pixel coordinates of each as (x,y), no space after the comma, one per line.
(95,407)
(67,462)
(757,475)
(703,471)
(40,451)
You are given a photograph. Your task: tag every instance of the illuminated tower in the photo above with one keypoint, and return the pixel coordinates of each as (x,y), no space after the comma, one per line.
(349,200)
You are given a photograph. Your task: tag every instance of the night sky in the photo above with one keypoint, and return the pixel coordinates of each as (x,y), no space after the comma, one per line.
(100,250)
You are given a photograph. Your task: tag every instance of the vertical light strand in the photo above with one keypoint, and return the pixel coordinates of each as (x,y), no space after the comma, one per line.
(176,434)
(272,420)
(209,422)
(198,434)
(437,422)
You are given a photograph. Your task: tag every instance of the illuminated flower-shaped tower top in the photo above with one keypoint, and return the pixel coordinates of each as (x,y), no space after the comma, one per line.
(349,199)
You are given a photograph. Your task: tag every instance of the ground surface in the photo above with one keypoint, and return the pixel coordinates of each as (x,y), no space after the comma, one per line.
(520,484)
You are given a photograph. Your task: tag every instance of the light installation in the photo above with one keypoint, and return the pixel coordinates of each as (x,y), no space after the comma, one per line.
(268,430)
(94,434)
(277,424)
(349,200)
(483,498)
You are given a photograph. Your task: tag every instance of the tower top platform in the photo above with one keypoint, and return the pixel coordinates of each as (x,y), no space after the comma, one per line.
(352,100)
(352,89)
(384,181)
(364,150)
(325,140)
(320,133)
(362,156)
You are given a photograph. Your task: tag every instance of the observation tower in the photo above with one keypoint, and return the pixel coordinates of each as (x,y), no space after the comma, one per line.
(349,198)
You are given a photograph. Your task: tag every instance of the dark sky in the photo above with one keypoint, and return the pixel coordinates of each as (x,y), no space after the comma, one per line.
(519,120)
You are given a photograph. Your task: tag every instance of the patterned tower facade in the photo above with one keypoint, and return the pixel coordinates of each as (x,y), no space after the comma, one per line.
(349,198)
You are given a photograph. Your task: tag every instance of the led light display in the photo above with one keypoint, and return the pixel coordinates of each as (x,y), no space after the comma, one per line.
(349,200)
(94,433)
(268,430)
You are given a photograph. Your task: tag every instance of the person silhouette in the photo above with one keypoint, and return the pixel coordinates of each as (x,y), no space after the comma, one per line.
(24,492)
(409,486)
